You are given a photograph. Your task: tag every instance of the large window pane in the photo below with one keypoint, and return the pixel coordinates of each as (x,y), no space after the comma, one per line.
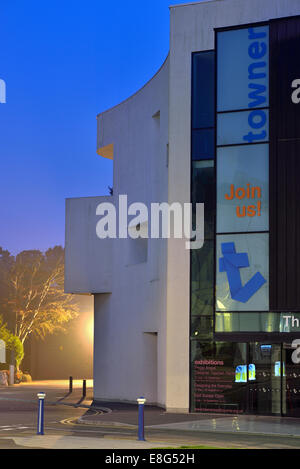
(202,327)
(257,322)
(243,188)
(265,387)
(218,381)
(202,260)
(203,96)
(243,127)
(203,144)
(242,275)
(202,280)
(203,191)
(243,68)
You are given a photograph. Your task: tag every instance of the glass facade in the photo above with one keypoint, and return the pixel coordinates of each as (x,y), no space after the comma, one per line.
(264,390)
(203,191)
(242,359)
(203,91)
(239,377)
(203,144)
(257,322)
(214,382)
(290,383)
(242,160)
(242,60)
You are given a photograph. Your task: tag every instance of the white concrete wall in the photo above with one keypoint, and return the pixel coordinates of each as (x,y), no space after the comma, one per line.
(192,29)
(88,260)
(129,351)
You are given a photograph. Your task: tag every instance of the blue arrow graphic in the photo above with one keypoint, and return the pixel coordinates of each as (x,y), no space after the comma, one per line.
(231,263)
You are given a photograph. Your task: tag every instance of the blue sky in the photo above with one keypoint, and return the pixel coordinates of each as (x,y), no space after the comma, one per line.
(63,62)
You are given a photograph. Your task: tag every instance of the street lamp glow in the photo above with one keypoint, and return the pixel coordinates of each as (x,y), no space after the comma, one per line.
(90,330)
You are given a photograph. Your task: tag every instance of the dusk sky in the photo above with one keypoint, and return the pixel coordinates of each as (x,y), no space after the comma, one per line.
(63,62)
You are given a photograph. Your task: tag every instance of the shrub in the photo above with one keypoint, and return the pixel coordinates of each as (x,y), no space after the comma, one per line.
(12,342)
(26,378)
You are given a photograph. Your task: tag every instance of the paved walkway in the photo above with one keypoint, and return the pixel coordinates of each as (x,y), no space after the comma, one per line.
(76,442)
(157,421)
(125,415)
(57,391)
(240,424)
(54,384)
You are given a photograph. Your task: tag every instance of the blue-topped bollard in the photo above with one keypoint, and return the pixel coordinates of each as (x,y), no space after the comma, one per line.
(141,401)
(40,425)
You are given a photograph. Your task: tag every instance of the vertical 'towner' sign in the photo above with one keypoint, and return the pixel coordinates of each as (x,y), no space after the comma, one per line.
(242,169)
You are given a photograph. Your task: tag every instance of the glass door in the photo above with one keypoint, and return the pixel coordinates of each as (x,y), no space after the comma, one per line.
(264,378)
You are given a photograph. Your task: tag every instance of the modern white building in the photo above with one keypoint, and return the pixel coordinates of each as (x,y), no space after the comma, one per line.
(167,323)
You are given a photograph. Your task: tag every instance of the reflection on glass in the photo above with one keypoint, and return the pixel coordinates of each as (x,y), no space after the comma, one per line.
(252,372)
(203,191)
(252,322)
(265,391)
(203,90)
(241,374)
(219,378)
(202,278)
(202,260)
(277,368)
(202,327)
(289,322)
(214,385)
(291,384)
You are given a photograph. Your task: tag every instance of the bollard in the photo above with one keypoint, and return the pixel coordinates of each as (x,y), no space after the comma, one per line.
(84,388)
(70,384)
(40,425)
(12,368)
(141,401)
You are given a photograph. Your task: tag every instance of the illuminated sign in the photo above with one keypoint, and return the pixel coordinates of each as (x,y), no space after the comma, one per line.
(231,263)
(252,372)
(242,169)
(242,272)
(241,374)
(277,369)
(243,189)
(243,74)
